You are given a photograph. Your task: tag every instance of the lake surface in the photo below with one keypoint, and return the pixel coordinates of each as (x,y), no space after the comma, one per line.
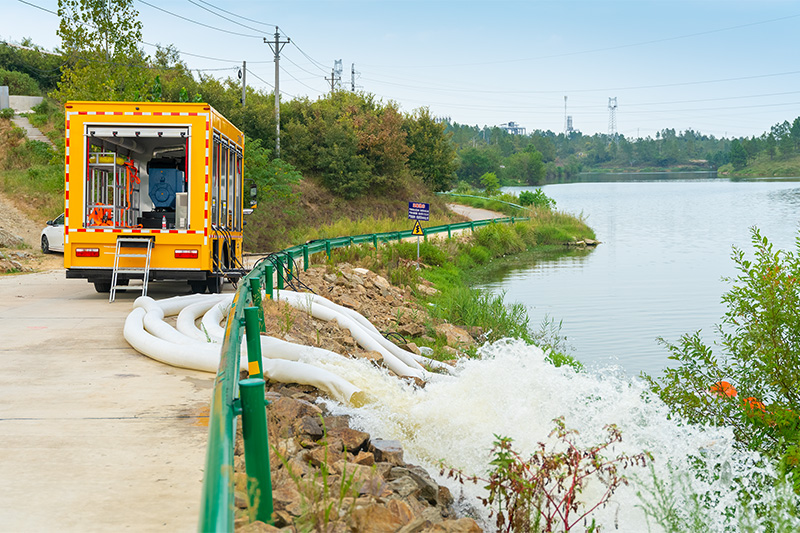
(666,246)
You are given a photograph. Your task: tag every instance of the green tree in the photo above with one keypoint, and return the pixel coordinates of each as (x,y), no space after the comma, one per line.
(474,163)
(100,42)
(738,155)
(754,385)
(526,166)
(433,156)
(490,183)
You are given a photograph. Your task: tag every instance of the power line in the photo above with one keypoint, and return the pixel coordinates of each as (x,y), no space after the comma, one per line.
(223,17)
(199,23)
(235,15)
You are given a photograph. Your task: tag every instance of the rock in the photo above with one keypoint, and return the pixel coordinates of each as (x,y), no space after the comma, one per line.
(401,509)
(336,422)
(310,426)
(387,451)
(455,336)
(381,283)
(404,486)
(374,518)
(374,357)
(362,271)
(411,330)
(591,242)
(413,348)
(258,527)
(417,525)
(449,350)
(426,487)
(284,412)
(353,440)
(428,291)
(348,302)
(365,458)
(330,278)
(287,498)
(462,525)
(320,455)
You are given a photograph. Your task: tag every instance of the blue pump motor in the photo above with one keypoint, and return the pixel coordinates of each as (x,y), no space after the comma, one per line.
(164,183)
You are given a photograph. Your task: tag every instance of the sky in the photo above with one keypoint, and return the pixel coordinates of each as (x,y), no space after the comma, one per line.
(720,67)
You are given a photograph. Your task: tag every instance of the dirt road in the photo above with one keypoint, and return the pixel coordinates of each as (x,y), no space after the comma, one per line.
(93,435)
(474,213)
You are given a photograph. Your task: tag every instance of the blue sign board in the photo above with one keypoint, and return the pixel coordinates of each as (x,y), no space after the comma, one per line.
(419,211)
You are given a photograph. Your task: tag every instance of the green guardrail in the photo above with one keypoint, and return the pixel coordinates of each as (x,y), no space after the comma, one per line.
(481,198)
(232,397)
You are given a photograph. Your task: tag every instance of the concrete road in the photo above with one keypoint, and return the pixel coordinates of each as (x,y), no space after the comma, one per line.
(93,435)
(474,213)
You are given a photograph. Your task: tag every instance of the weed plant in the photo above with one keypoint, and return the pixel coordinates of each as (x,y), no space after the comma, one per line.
(544,491)
(325,499)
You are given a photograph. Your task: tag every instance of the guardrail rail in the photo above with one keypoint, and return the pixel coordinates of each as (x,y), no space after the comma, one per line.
(227,402)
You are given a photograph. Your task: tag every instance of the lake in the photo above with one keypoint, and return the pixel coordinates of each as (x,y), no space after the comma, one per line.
(666,246)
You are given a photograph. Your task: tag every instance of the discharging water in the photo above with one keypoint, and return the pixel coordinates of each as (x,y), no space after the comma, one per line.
(512,391)
(666,245)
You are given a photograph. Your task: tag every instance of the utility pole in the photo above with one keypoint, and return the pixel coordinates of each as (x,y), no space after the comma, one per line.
(244,81)
(276,47)
(332,79)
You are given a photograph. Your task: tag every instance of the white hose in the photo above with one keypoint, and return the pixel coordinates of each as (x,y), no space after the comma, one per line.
(304,302)
(179,350)
(188,316)
(361,335)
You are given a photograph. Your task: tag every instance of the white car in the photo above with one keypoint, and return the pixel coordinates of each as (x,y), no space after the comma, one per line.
(53,235)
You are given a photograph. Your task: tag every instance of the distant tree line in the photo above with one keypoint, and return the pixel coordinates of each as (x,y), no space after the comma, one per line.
(546,157)
(781,141)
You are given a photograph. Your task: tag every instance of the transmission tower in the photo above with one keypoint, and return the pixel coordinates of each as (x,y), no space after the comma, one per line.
(612,118)
(566,125)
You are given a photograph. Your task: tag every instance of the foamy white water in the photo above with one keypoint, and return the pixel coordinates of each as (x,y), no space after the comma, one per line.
(513,391)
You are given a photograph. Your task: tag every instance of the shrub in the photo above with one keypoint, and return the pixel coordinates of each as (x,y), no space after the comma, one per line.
(536,198)
(544,492)
(752,386)
(7,113)
(19,83)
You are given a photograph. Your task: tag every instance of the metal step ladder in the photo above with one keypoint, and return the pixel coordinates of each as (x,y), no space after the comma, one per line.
(126,243)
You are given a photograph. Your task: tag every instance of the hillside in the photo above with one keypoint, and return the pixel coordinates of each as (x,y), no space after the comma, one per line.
(764,166)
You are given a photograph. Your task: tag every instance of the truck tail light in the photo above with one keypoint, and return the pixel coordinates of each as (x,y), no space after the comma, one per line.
(186,254)
(87,252)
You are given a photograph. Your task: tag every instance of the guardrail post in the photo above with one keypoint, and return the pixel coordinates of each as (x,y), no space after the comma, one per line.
(280,272)
(305,257)
(253,330)
(375,240)
(255,292)
(289,265)
(256,449)
(472,226)
(269,281)
(328,247)
(449,232)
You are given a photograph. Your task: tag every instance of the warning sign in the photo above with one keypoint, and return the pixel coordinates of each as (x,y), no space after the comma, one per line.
(417,229)
(419,211)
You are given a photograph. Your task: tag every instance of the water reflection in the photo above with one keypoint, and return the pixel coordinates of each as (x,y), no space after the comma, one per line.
(666,247)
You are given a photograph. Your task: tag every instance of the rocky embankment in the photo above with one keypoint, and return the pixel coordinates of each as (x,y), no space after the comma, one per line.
(314,454)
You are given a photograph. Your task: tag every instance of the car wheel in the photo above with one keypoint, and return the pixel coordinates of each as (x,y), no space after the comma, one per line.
(214,284)
(45,245)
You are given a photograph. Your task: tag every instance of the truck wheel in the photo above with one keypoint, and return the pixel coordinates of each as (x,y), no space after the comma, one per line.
(214,284)
(102,286)
(198,287)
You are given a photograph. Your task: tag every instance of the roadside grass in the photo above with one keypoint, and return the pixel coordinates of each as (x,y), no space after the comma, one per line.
(446,264)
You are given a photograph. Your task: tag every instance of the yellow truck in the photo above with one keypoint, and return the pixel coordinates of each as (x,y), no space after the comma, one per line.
(154,191)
